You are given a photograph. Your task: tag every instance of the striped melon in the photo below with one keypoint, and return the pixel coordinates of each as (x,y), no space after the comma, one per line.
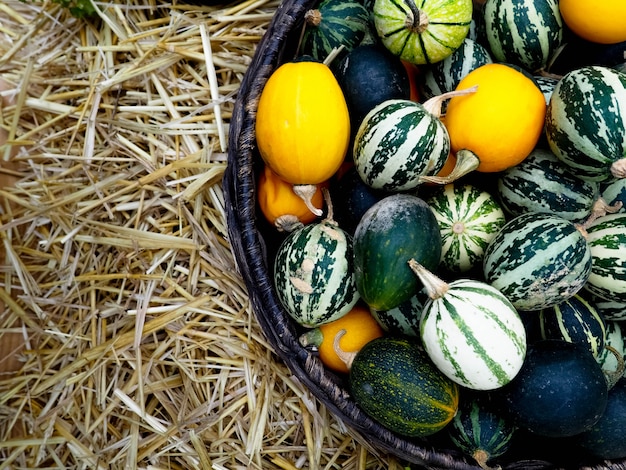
(611,310)
(546,85)
(404,319)
(614,192)
(314,275)
(527,33)
(468,219)
(398,142)
(574,320)
(537,260)
(471,332)
(541,183)
(586,122)
(422,32)
(445,75)
(332,24)
(607,241)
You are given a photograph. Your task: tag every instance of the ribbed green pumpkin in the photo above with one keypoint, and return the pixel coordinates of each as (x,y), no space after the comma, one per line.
(607,241)
(332,24)
(542,183)
(525,32)
(422,32)
(586,122)
(537,260)
(314,275)
(395,383)
(469,219)
(398,142)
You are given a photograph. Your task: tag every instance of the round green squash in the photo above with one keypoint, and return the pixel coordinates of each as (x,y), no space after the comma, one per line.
(395,383)
(422,32)
(394,230)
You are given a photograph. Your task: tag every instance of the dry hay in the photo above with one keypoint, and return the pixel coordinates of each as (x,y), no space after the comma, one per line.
(139,349)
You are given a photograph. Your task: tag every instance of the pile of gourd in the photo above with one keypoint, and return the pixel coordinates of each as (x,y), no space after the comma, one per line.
(449,210)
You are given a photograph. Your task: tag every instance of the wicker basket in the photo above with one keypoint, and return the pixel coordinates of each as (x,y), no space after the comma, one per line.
(253,242)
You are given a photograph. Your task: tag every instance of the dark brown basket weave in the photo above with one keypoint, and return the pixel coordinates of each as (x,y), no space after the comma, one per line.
(252,243)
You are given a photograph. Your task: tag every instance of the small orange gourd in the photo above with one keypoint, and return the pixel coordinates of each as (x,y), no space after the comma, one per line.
(599,21)
(360,327)
(501,122)
(280,205)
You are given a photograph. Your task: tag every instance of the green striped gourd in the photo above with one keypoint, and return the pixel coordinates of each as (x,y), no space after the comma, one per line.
(445,75)
(542,183)
(398,142)
(615,339)
(614,192)
(546,85)
(610,309)
(586,122)
(468,218)
(471,332)
(332,24)
(607,240)
(524,32)
(314,274)
(422,32)
(403,319)
(537,260)
(574,320)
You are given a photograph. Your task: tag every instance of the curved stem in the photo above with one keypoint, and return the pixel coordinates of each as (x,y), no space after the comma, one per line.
(618,168)
(466,162)
(600,208)
(346,357)
(417,21)
(433,105)
(306,192)
(612,377)
(435,287)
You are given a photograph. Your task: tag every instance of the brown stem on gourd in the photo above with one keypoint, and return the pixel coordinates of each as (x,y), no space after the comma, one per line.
(346,357)
(417,21)
(306,192)
(434,105)
(466,162)
(329,205)
(311,338)
(313,17)
(482,456)
(612,377)
(600,209)
(435,287)
(287,223)
(618,168)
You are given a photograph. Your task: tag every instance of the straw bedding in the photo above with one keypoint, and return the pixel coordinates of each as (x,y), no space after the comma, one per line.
(126,338)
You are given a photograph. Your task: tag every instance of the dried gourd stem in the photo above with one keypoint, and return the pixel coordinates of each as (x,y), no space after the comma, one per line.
(313,17)
(612,377)
(346,357)
(433,105)
(466,162)
(600,209)
(329,205)
(435,287)
(287,223)
(306,192)
(333,54)
(482,456)
(618,168)
(417,21)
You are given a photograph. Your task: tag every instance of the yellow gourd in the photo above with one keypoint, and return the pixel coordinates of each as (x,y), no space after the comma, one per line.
(280,205)
(302,123)
(501,122)
(599,21)
(360,327)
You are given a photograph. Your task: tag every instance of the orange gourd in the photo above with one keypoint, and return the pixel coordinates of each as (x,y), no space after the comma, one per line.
(599,21)
(501,122)
(280,205)
(360,328)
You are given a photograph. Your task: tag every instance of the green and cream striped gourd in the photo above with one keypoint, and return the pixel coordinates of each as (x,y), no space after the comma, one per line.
(469,219)
(606,237)
(314,274)
(542,183)
(527,33)
(586,122)
(537,260)
(471,332)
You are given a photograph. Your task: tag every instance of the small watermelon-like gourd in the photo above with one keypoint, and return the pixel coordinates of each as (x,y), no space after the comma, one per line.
(468,218)
(480,431)
(575,320)
(609,309)
(500,124)
(403,319)
(471,331)
(314,275)
(396,384)
(559,392)
(542,183)
(547,84)
(606,237)
(332,24)
(422,32)
(586,122)
(527,33)
(303,125)
(538,260)
(394,230)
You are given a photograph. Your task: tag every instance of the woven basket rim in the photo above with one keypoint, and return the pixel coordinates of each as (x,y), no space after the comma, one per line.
(249,251)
